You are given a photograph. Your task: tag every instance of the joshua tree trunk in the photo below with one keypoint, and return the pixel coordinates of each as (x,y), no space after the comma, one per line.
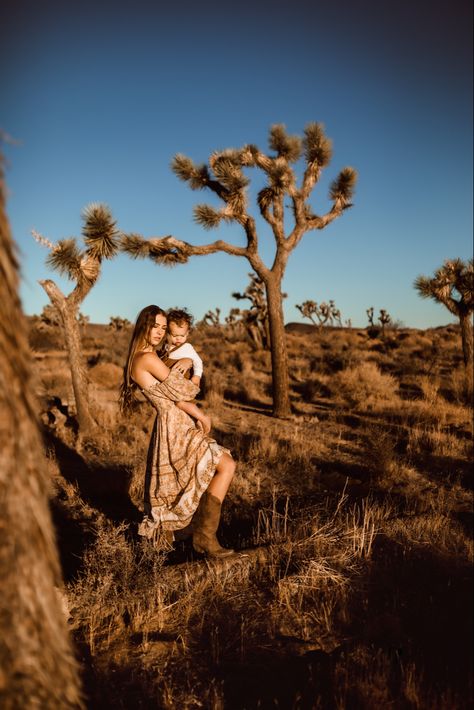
(280,380)
(68,311)
(467,348)
(38,669)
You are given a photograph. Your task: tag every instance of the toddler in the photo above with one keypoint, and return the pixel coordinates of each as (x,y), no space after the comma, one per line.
(176,348)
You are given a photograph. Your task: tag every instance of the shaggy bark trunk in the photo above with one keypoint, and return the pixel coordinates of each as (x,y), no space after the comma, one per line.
(38,669)
(80,385)
(467,348)
(280,381)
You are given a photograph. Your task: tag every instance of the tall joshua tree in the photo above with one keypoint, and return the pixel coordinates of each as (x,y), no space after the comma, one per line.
(225,178)
(83,268)
(37,663)
(453,286)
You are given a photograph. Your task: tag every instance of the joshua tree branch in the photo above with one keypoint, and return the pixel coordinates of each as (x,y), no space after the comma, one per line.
(193,250)
(318,222)
(275,217)
(56,296)
(310,178)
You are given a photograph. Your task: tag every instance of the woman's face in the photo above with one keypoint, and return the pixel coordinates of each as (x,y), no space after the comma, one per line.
(157,331)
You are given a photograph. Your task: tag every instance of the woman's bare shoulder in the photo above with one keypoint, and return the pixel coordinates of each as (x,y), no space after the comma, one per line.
(146,364)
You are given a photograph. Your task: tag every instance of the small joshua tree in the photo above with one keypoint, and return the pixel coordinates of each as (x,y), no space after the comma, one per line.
(309,309)
(370,316)
(83,268)
(255,319)
(233,317)
(324,312)
(212,318)
(384,318)
(225,178)
(374,330)
(453,286)
(117,323)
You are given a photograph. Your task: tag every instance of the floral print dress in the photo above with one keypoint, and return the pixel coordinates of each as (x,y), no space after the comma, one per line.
(181,459)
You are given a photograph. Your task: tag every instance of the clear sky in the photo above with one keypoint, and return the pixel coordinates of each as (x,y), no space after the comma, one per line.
(101,95)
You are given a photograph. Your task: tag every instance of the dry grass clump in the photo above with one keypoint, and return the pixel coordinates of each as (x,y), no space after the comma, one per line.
(436,439)
(120,584)
(213,387)
(365,386)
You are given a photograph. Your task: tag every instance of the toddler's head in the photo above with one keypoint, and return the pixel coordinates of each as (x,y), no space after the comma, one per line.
(179,324)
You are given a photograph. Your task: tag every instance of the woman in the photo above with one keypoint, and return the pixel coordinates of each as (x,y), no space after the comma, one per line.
(187,473)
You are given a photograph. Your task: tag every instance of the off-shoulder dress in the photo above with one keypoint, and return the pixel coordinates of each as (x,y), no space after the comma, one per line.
(181,459)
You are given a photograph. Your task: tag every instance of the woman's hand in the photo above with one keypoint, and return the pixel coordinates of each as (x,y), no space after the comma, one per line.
(183,365)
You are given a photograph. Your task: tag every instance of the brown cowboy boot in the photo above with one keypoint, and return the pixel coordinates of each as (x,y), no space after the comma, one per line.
(205,524)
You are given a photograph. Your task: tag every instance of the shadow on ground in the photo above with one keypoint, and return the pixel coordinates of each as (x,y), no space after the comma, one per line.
(104,487)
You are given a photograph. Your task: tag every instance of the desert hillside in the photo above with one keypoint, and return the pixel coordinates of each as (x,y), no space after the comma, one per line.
(355,517)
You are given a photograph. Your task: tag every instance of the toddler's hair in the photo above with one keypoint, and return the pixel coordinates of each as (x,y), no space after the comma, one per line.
(180,316)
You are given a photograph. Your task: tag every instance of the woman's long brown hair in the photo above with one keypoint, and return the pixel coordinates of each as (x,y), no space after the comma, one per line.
(144,323)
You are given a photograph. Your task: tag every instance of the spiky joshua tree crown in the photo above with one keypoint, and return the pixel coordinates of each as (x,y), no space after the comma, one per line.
(224,176)
(101,241)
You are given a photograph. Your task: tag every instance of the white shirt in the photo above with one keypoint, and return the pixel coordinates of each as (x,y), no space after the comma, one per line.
(186,350)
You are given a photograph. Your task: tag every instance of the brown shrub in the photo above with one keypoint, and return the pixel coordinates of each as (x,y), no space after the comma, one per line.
(106,375)
(365,386)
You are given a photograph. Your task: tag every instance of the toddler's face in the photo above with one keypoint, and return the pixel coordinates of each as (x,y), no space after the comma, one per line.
(177,334)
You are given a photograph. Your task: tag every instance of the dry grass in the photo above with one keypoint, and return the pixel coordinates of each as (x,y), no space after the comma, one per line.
(356,590)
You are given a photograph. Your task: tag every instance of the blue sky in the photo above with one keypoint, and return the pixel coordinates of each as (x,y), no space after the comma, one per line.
(101,96)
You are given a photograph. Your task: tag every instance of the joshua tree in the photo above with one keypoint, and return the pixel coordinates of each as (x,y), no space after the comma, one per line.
(225,178)
(83,268)
(384,318)
(37,663)
(233,317)
(309,309)
(374,330)
(212,318)
(324,312)
(370,316)
(118,323)
(255,319)
(453,286)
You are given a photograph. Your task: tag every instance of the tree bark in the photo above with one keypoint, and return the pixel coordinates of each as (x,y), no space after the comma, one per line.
(38,669)
(280,380)
(68,312)
(467,348)
(80,382)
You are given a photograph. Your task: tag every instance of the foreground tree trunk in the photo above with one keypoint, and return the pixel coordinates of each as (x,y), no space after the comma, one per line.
(68,311)
(37,664)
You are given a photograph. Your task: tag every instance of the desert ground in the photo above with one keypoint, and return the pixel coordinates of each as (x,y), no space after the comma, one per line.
(353,517)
